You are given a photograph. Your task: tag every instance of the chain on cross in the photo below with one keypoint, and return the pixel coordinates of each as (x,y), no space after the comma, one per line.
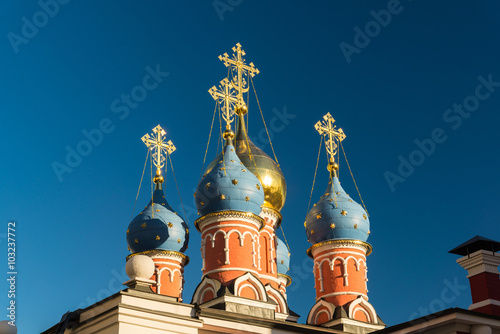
(332,135)
(238,65)
(159,148)
(227,97)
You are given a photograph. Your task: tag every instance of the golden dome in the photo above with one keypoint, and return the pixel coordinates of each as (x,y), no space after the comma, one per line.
(261,165)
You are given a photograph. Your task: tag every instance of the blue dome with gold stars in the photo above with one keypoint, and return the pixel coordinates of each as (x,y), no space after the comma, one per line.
(282,257)
(158,227)
(336,217)
(229,186)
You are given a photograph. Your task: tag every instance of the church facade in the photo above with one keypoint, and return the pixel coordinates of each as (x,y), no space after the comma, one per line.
(244,284)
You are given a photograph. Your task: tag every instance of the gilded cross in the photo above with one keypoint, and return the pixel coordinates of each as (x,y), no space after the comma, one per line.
(225,95)
(332,135)
(159,148)
(238,65)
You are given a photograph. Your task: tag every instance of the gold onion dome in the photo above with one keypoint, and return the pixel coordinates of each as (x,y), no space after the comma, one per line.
(260,164)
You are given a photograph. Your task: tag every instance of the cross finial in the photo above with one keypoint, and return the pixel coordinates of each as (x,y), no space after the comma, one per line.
(240,70)
(159,148)
(226,96)
(332,135)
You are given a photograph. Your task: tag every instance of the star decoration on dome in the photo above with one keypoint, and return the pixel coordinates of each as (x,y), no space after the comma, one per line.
(158,146)
(333,136)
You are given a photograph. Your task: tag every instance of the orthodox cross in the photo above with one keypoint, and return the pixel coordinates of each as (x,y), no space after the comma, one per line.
(238,65)
(332,135)
(159,148)
(226,96)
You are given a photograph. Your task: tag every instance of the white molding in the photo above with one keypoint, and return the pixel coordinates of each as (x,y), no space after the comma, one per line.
(342,293)
(252,280)
(278,298)
(362,310)
(203,250)
(206,283)
(271,235)
(247,285)
(208,288)
(239,300)
(365,305)
(335,247)
(484,303)
(176,265)
(271,215)
(271,252)
(479,262)
(363,257)
(231,269)
(217,220)
(357,323)
(171,272)
(322,303)
(329,315)
(226,235)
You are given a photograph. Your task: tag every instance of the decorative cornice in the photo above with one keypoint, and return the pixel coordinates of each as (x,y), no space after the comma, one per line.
(273,213)
(479,262)
(229,214)
(155,253)
(342,243)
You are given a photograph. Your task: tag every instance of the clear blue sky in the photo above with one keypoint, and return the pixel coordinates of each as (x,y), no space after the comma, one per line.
(388,92)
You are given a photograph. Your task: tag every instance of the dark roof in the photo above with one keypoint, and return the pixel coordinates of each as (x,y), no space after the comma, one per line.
(475,244)
(434,316)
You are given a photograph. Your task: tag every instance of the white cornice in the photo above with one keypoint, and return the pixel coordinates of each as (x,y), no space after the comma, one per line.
(484,303)
(335,245)
(480,262)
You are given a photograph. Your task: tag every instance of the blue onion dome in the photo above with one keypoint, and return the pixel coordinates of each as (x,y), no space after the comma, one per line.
(260,164)
(229,186)
(282,257)
(158,226)
(336,217)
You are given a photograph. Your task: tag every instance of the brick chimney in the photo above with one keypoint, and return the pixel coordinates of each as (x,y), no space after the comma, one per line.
(481,260)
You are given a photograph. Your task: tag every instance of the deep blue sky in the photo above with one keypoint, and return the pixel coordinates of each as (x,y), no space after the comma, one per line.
(395,90)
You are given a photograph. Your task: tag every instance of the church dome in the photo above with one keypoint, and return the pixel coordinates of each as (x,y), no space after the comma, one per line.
(336,217)
(229,186)
(282,257)
(158,227)
(261,165)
